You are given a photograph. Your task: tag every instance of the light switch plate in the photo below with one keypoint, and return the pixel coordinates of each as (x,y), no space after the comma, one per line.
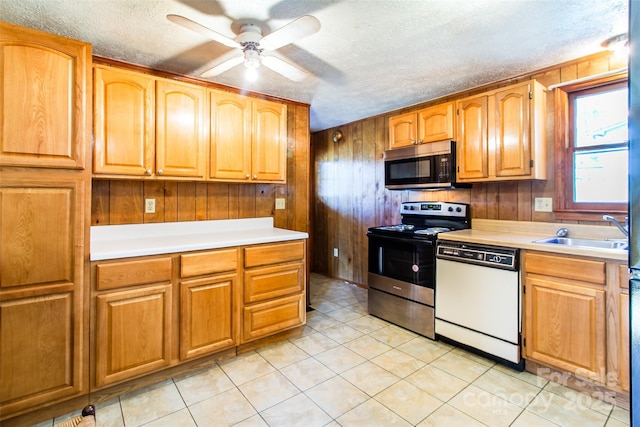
(280,203)
(149,205)
(543,204)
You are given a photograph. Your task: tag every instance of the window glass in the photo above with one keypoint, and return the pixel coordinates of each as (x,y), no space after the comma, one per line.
(601,118)
(601,176)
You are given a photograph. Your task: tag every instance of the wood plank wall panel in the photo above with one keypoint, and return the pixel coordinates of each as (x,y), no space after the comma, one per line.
(121,201)
(349,194)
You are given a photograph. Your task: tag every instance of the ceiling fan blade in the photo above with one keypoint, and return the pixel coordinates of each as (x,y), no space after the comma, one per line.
(282,67)
(294,30)
(198,28)
(221,68)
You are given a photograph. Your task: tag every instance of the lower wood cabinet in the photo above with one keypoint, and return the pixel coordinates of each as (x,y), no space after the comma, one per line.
(576,316)
(154,312)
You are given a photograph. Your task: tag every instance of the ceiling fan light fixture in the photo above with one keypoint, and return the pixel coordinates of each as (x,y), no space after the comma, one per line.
(251,74)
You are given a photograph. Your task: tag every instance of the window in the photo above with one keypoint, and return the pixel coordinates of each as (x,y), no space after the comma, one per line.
(592,148)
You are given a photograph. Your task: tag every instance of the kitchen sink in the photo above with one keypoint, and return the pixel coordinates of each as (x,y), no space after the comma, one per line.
(586,243)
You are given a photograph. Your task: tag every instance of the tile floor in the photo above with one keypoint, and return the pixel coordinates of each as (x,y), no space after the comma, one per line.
(351,369)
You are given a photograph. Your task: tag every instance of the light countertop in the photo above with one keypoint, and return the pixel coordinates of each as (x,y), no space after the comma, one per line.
(521,234)
(131,240)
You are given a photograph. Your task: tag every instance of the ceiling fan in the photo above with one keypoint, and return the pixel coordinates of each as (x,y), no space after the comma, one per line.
(252,44)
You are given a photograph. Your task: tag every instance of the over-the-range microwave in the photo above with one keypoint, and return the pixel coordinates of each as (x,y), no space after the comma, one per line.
(430,166)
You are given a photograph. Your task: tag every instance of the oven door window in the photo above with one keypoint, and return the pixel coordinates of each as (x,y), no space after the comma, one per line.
(419,170)
(407,260)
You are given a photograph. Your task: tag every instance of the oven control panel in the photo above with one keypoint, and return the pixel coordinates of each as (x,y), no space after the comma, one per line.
(489,256)
(435,208)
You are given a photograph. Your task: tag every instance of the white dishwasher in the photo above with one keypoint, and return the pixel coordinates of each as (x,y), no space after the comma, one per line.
(478,299)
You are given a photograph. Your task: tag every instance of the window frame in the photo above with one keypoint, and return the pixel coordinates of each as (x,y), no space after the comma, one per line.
(565,208)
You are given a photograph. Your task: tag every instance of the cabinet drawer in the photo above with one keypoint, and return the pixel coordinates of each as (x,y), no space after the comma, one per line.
(271,254)
(208,262)
(130,273)
(273,316)
(271,282)
(566,267)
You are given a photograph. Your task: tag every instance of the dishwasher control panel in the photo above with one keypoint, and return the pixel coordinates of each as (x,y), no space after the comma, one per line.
(490,256)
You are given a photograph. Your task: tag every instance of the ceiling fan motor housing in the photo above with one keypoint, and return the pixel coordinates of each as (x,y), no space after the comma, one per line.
(249,33)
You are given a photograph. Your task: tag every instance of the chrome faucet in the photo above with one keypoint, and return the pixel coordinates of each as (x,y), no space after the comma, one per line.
(624,228)
(562,232)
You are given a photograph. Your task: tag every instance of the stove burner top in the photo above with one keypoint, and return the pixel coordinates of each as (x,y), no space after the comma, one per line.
(399,227)
(432,230)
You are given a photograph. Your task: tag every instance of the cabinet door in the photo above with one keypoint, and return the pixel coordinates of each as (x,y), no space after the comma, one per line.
(472,143)
(43,340)
(624,342)
(230,142)
(124,120)
(44,106)
(436,123)
(565,326)
(512,132)
(133,333)
(269,142)
(207,323)
(180,130)
(403,130)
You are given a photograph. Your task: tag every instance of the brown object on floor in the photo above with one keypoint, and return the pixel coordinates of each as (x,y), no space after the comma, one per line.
(87,419)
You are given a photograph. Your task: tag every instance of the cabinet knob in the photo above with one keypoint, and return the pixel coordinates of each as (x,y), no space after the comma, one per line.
(255,176)
(160,171)
(414,142)
(420,141)
(147,172)
(248,176)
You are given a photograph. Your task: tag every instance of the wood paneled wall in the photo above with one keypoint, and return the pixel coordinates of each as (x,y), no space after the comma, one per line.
(349,193)
(118,201)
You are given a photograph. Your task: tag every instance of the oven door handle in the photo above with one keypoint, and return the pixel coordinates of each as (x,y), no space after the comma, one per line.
(412,241)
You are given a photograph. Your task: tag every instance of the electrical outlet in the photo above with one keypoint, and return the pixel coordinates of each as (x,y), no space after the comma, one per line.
(279,203)
(543,204)
(149,205)
(335,252)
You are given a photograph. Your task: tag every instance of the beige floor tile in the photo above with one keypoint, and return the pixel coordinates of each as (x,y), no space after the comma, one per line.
(529,419)
(425,349)
(110,413)
(344,315)
(371,413)
(621,415)
(246,368)
(324,306)
(436,382)
(282,354)
(393,335)
(203,384)
(307,373)
(296,411)
(448,416)
(398,363)
(322,321)
(268,390)
(148,404)
(512,389)
(339,359)
(367,324)
(361,308)
(532,379)
(612,422)
(475,357)
(563,411)
(314,343)
(485,407)
(181,418)
(255,421)
(408,401)
(367,347)
(336,396)
(370,378)
(224,409)
(342,333)
(462,367)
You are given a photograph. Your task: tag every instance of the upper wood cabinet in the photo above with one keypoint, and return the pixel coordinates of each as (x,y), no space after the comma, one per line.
(44,107)
(430,124)
(248,139)
(501,134)
(147,126)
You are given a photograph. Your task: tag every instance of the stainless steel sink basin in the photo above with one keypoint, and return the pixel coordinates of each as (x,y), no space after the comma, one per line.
(586,243)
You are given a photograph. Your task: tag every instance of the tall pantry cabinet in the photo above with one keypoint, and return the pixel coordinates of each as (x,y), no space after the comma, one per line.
(45,186)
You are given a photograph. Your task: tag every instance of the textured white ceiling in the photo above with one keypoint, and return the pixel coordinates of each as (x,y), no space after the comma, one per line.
(369,57)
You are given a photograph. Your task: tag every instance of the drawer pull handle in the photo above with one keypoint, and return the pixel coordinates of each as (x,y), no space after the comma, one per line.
(397,287)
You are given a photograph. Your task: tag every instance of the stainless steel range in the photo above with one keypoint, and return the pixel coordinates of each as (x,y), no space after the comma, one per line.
(402,263)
